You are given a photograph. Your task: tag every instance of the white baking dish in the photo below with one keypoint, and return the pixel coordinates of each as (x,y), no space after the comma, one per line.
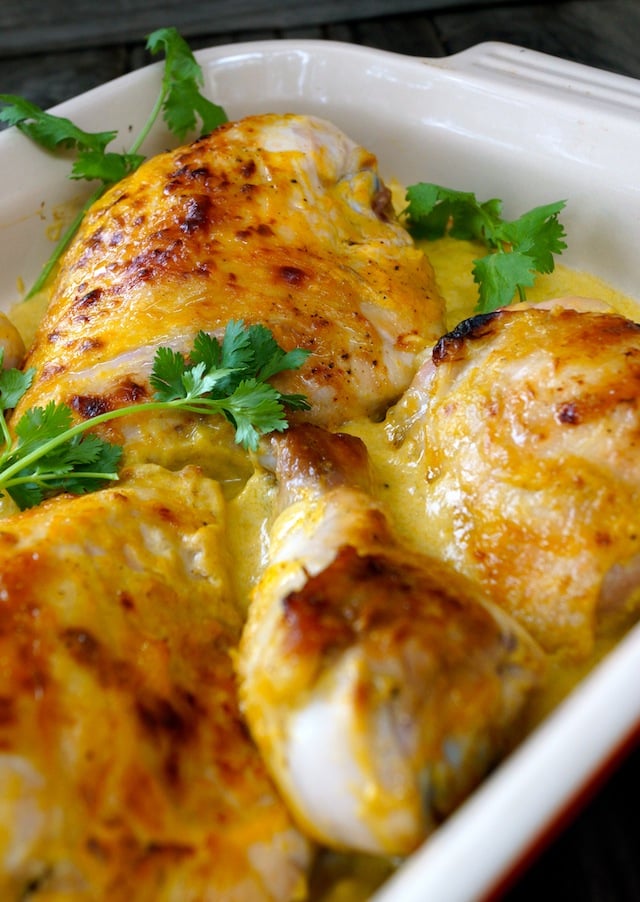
(498,120)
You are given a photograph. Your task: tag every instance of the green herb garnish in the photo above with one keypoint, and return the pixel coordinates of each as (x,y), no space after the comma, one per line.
(517,250)
(179,100)
(51,454)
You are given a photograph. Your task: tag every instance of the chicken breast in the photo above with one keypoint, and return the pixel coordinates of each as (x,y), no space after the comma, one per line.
(526,424)
(276,219)
(126,771)
(379,686)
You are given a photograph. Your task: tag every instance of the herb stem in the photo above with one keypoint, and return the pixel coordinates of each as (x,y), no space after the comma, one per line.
(155,112)
(44,478)
(6,476)
(73,227)
(199,406)
(6,436)
(63,243)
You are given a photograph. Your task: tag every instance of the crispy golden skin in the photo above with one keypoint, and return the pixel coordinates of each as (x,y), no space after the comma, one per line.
(527,423)
(280,220)
(125,769)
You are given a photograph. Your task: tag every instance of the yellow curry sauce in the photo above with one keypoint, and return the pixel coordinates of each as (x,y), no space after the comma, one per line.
(397,473)
(400,483)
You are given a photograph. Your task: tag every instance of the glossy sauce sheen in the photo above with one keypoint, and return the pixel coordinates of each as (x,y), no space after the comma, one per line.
(398,477)
(399,474)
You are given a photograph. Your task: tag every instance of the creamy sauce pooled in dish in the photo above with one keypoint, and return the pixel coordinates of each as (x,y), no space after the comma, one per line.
(399,479)
(400,482)
(398,475)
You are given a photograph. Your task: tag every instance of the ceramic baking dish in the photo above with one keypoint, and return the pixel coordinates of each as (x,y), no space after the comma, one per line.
(498,120)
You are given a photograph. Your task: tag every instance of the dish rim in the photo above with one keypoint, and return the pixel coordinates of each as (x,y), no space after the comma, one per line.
(510,74)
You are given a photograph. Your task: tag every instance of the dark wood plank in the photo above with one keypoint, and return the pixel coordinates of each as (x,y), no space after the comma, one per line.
(50,78)
(596,32)
(601,33)
(597,857)
(415,35)
(28,25)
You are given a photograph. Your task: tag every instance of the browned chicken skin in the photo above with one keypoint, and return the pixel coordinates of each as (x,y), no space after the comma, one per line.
(126,771)
(527,425)
(280,220)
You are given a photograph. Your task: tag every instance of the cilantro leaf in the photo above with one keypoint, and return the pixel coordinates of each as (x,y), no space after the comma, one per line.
(174,379)
(199,381)
(168,371)
(434,211)
(179,99)
(237,346)
(26,494)
(83,465)
(230,377)
(539,234)
(497,274)
(255,408)
(106,167)
(517,249)
(40,424)
(49,456)
(51,453)
(296,402)
(207,349)
(182,103)
(270,359)
(49,131)
(13,384)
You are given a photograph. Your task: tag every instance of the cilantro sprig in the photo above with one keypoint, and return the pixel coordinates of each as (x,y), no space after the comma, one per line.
(517,250)
(180,101)
(50,453)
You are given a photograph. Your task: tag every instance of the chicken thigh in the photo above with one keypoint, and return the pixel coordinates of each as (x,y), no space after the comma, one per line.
(126,771)
(378,685)
(274,219)
(526,424)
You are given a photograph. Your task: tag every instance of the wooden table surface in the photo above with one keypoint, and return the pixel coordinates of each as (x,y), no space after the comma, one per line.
(54,49)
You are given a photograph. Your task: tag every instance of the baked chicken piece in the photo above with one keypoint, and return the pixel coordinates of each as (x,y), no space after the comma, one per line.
(378,685)
(125,769)
(274,219)
(526,424)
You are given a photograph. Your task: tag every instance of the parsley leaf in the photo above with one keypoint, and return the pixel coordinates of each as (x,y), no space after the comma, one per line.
(108,168)
(179,100)
(51,453)
(48,456)
(230,378)
(182,102)
(50,132)
(254,408)
(517,249)
(13,384)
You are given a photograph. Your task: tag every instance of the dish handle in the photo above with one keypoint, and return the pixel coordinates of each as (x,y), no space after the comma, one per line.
(509,65)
